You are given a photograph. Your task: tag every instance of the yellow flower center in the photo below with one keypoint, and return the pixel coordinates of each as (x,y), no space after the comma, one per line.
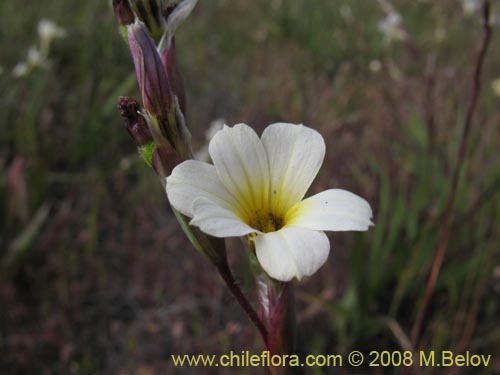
(265,221)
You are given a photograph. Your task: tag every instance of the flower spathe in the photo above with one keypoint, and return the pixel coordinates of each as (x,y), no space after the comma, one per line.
(256,187)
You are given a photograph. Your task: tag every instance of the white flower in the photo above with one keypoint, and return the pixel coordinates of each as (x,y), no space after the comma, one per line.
(35,57)
(256,187)
(375,66)
(470,6)
(346,13)
(48,30)
(214,127)
(20,70)
(392,27)
(495,85)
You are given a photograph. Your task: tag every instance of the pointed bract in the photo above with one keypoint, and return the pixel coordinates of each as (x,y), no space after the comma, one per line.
(169,60)
(175,16)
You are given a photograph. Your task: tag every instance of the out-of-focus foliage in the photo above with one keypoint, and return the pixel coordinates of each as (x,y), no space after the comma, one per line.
(95,276)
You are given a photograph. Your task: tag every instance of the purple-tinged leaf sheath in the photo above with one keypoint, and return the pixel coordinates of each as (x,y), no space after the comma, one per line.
(164,161)
(169,60)
(277,311)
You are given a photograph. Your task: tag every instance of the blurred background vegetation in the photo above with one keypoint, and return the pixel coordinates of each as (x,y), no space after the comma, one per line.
(95,275)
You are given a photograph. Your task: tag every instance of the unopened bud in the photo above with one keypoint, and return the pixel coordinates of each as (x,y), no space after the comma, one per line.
(151,75)
(134,121)
(161,106)
(149,12)
(123,12)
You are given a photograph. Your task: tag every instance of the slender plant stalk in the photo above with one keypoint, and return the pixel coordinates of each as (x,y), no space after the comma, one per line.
(236,291)
(219,261)
(445,229)
(488,193)
(430,110)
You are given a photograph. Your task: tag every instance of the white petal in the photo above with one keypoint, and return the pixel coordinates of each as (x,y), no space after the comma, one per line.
(242,166)
(334,209)
(217,221)
(295,155)
(291,252)
(193,179)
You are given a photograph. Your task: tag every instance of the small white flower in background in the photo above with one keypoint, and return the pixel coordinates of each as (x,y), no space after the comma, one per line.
(33,60)
(35,57)
(20,70)
(375,66)
(214,127)
(471,6)
(38,56)
(440,34)
(256,187)
(346,13)
(495,85)
(48,31)
(392,27)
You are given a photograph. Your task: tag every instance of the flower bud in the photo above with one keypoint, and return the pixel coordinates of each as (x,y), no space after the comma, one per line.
(149,12)
(151,75)
(123,12)
(167,120)
(134,122)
